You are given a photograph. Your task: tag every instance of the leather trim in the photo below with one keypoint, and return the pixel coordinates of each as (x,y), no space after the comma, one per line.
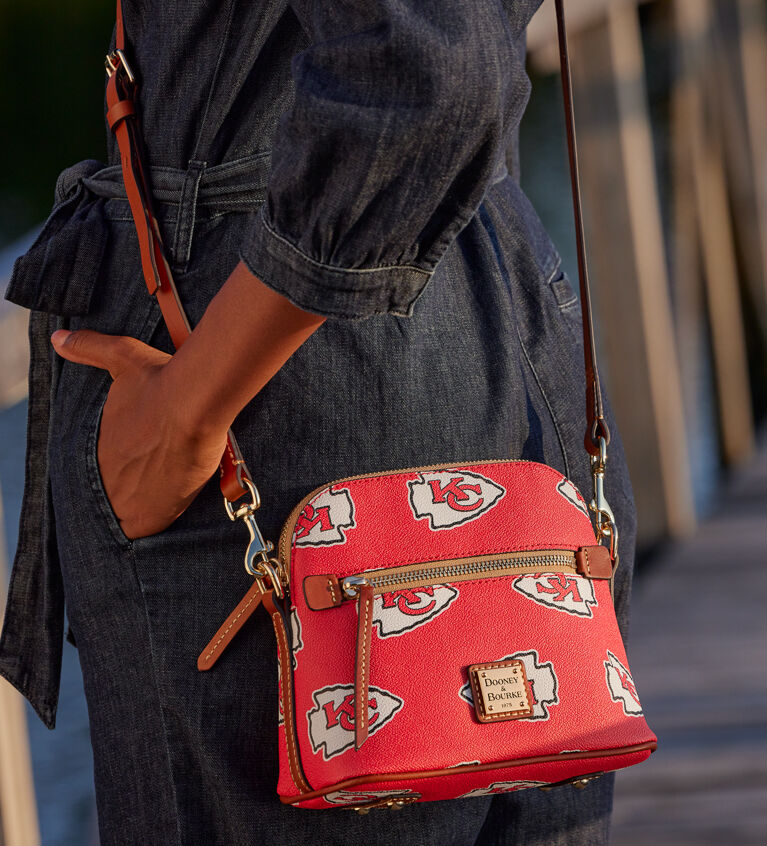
(321,592)
(229,628)
(594,562)
(649,746)
(362,671)
(121,110)
(288,700)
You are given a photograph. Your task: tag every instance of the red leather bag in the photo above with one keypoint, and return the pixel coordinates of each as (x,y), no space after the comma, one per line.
(443,631)
(450,632)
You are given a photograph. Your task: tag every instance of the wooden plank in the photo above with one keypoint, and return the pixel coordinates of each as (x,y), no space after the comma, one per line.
(693,22)
(542,30)
(629,270)
(727,97)
(18,811)
(698,641)
(14,353)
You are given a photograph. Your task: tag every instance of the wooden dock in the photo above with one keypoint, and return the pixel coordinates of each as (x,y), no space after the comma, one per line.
(698,652)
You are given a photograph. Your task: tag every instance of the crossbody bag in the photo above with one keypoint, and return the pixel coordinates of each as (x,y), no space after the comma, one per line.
(444,631)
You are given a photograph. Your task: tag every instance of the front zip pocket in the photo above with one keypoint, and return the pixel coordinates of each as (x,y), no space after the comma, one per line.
(330,591)
(460,570)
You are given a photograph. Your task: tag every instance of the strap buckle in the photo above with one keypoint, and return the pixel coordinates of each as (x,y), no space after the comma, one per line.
(606,526)
(114,61)
(257,561)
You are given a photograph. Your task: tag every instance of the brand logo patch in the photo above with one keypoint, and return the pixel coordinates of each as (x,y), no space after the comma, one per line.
(500,691)
(331,721)
(573,594)
(400,611)
(542,680)
(621,686)
(323,520)
(448,498)
(573,496)
(501,787)
(361,797)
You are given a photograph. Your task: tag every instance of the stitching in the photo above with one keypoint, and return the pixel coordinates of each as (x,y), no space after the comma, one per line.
(332,589)
(588,566)
(478,694)
(364,680)
(234,620)
(287,694)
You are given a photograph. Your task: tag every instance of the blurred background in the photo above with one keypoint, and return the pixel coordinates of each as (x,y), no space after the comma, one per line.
(671,108)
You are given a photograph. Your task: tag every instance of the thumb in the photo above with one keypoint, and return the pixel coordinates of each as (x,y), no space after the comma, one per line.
(114,353)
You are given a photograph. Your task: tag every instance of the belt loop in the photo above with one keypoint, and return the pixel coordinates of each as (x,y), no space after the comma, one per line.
(187,212)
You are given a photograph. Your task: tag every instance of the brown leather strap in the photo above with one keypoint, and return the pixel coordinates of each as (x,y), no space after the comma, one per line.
(596,423)
(233,623)
(122,118)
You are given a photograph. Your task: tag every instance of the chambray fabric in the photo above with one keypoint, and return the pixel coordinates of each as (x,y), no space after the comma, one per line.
(355,155)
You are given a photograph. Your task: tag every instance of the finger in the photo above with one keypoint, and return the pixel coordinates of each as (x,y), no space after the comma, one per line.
(114,353)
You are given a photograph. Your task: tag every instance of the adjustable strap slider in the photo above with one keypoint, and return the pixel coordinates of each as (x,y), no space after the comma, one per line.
(114,61)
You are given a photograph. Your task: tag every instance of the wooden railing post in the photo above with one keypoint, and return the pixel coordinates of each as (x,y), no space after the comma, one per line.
(627,254)
(701,141)
(18,811)
(752,26)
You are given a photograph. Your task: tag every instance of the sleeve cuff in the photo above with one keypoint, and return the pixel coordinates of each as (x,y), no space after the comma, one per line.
(350,293)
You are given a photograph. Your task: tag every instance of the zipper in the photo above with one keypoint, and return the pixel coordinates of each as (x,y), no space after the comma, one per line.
(283,545)
(363,588)
(459,570)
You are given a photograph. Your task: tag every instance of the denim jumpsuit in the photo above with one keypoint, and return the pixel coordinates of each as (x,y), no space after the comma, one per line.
(361,159)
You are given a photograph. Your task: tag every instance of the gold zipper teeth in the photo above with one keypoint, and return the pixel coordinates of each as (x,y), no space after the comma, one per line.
(449,571)
(283,544)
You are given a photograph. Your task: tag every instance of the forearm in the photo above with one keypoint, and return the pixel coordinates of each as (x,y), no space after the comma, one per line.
(245,336)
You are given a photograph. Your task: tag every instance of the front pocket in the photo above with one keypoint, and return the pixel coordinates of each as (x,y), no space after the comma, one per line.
(426,589)
(96,482)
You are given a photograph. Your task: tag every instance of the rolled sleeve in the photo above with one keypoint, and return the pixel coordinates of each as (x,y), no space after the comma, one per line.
(402,115)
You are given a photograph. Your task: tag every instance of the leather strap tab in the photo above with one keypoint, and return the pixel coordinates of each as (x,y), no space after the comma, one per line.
(362,674)
(322,592)
(594,562)
(118,112)
(229,628)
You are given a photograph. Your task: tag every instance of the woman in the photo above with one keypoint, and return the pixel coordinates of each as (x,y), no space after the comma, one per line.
(370,290)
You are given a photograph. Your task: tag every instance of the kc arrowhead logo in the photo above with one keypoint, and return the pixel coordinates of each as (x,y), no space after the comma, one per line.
(573,495)
(331,721)
(501,787)
(323,520)
(573,594)
(543,682)
(621,686)
(448,498)
(400,611)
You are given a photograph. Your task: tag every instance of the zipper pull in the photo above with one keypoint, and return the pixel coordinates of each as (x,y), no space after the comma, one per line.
(326,591)
(362,670)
